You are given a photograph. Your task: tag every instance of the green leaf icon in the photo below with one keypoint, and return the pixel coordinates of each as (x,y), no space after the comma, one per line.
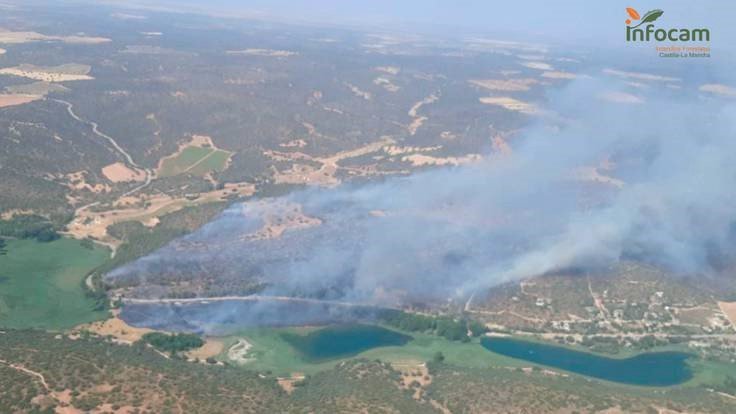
(650,16)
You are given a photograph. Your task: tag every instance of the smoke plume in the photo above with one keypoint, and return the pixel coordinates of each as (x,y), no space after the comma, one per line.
(590,182)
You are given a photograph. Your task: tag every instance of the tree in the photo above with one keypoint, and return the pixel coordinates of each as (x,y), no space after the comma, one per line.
(438,357)
(476,328)
(3,247)
(172,343)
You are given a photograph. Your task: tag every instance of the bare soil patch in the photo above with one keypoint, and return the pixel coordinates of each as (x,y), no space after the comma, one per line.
(61,73)
(537,65)
(729,309)
(115,327)
(211,348)
(287,383)
(359,92)
(279,217)
(508,85)
(418,119)
(17,99)
(239,352)
(391,70)
(146,210)
(119,172)
(386,84)
(414,376)
(509,103)
(11,37)
(558,75)
(594,174)
(262,52)
(420,160)
(78,181)
(324,175)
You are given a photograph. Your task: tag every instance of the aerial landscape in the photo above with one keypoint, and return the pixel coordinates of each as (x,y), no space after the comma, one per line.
(362,207)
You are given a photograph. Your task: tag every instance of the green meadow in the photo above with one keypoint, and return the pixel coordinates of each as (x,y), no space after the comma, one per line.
(195,161)
(41,284)
(272,352)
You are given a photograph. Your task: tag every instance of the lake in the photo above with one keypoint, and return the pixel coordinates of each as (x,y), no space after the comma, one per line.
(341,341)
(647,369)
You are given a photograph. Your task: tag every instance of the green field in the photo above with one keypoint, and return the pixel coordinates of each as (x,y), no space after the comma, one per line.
(195,161)
(41,284)
(272,353)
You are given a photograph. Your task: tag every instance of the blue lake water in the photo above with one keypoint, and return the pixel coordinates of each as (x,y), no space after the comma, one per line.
(341,341)
(647,369)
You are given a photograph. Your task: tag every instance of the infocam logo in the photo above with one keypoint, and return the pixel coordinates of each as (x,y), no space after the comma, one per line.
(649,32)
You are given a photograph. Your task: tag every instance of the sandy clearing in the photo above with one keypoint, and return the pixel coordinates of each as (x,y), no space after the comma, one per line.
(11,37)
(287,383)
(500,146)
(558,75)
(262,52)
(17,99)
(413,112)
(621,97)
(78,181)
(640,76)
(531,57)
(419,160)
(729,309)
(592,174)
(448,135)
(9,214)
(509,103)
(45,75)
(325,174)
(146,210)
(386,84)
(359,92)
(508,85)
(211,348)
(239,351)
(537,65)
(278,217)
(718,89)
(115,327)
(391,70)
(296,143)
(84,40)
(128,16)
(119,172)
(398,150)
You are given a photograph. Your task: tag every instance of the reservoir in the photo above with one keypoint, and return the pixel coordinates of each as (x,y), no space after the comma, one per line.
(341,341)
(647,369)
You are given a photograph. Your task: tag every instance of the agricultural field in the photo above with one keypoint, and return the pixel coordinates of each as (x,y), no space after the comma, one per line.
(197,158)
(41,284)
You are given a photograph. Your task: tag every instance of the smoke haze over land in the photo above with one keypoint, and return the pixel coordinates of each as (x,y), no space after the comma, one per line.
(593,181)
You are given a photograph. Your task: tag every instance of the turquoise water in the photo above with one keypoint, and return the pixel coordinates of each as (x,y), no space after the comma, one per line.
(648,369)
(342,341)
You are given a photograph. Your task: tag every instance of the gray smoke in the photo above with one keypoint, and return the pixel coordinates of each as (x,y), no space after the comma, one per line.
(664,194)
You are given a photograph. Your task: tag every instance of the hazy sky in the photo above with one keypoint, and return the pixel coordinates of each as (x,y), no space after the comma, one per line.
(581,20)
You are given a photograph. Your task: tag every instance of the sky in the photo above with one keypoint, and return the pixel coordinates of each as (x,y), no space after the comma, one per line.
(592,22)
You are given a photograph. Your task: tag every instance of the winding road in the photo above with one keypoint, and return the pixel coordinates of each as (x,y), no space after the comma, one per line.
(128,159)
